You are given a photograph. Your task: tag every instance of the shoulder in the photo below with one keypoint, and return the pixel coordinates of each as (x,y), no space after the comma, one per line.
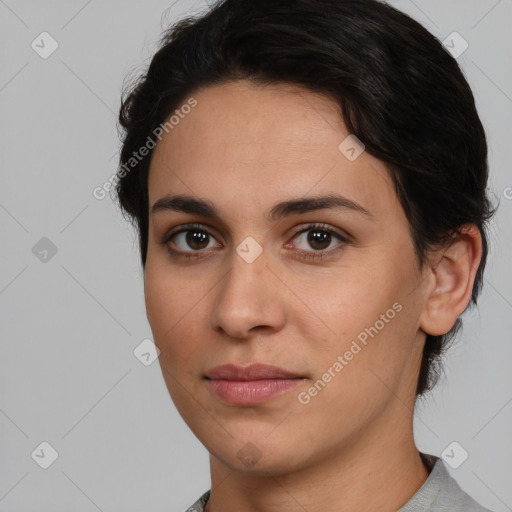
(452,497)
(441,492)
(198,506)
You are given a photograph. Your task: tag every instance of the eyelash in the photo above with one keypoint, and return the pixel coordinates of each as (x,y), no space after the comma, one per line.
(308,255)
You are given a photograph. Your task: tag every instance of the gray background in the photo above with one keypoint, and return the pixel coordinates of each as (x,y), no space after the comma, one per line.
(70,324)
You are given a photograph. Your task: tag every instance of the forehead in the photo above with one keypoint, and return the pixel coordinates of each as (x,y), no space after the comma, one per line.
(254,145)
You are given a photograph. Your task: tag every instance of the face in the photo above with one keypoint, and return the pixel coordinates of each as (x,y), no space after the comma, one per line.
(330,293)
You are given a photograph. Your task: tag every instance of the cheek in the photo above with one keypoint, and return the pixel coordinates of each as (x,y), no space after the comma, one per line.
(171,309)
(172,317)
(349,299)
(356,388)
(371,316)
(167,293)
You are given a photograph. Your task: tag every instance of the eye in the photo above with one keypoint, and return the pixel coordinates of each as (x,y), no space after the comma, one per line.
(197,238)
(192,236)
(319,238)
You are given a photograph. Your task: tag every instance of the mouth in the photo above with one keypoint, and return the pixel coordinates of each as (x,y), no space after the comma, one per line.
(251,384)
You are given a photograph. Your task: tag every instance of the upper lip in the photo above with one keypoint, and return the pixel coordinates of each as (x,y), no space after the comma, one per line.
(254,371)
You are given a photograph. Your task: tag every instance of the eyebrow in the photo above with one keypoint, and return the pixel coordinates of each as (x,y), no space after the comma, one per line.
(193,205)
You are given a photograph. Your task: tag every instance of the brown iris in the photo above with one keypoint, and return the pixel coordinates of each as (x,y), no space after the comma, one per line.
(197,239)
(318,236)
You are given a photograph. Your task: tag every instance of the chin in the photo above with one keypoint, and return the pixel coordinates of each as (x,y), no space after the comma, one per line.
(275,464)
(259,455)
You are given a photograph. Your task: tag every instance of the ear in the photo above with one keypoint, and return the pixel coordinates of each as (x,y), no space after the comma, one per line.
(452,274)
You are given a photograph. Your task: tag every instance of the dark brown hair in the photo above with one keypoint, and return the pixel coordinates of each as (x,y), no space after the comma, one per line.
(400,91)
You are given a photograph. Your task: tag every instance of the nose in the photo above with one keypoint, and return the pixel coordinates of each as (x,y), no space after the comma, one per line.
(250,297)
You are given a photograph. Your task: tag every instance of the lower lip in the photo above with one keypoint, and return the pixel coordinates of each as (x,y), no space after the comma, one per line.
(253,391)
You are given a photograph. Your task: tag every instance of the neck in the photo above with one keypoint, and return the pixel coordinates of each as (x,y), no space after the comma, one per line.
(377,472)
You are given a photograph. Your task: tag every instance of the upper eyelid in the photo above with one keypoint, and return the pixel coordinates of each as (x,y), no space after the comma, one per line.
(321,227)
(184,228)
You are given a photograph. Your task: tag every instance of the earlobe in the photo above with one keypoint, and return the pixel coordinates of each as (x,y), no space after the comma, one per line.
(453,275)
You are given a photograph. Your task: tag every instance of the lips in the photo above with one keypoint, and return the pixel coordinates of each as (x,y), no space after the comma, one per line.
(254,371)
(251,384)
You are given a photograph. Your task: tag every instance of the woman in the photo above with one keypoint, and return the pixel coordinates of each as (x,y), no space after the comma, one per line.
(308,180)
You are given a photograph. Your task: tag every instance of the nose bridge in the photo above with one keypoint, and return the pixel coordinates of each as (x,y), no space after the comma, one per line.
(249,271)
(246,295)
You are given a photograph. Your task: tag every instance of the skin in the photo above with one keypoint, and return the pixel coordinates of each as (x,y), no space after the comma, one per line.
(244,148)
